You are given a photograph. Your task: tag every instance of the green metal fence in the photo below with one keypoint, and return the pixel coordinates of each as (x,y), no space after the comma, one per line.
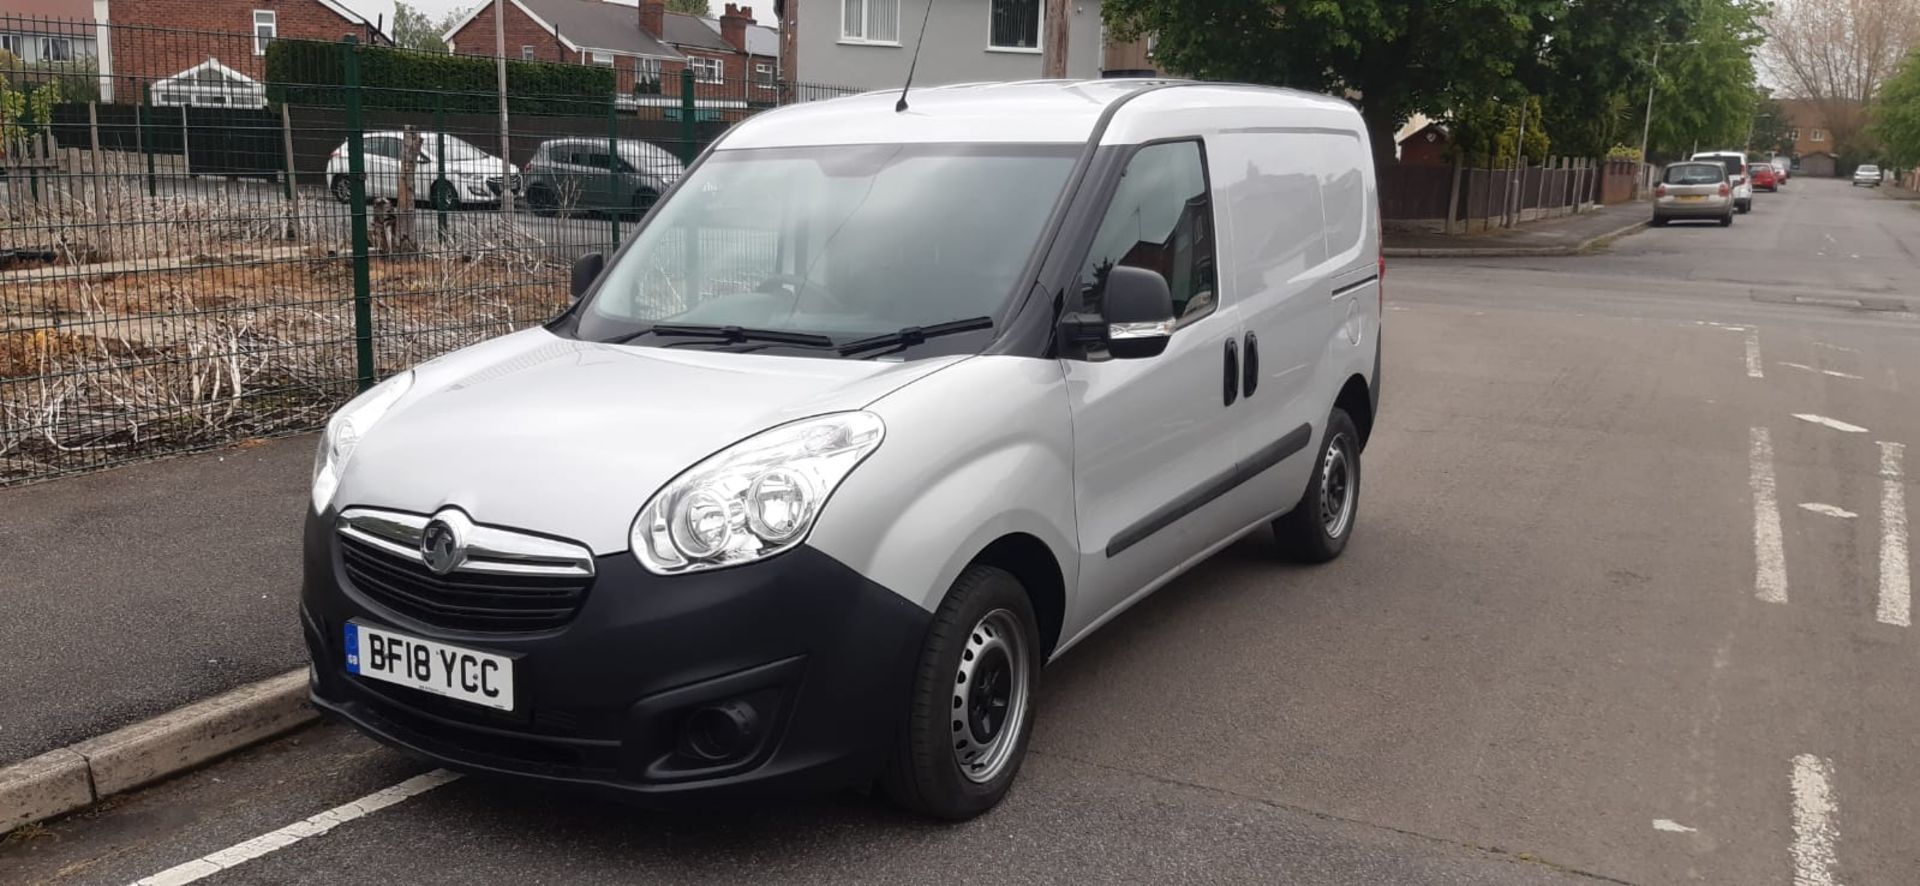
(222,240)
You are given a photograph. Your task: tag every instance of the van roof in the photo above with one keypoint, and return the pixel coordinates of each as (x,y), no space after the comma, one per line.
(1030,111)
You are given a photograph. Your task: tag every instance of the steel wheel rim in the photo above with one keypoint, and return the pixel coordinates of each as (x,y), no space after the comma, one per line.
(1337,487)
(989,707)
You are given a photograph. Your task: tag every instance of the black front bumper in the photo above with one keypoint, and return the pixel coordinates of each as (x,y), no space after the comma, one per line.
(822,655)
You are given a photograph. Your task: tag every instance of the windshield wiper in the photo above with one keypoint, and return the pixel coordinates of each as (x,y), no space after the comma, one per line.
(914,335)
(731,334)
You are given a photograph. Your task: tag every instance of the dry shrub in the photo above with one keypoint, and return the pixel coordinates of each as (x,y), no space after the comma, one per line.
(123,366)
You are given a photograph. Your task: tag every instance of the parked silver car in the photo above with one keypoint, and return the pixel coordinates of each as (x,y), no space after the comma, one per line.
(473,176)
(625,176)
(875,414)
(1693,190)
(1868,174)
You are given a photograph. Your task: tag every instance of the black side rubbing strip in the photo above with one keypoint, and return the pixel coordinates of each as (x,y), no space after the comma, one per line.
(1257,464)
(1355,285)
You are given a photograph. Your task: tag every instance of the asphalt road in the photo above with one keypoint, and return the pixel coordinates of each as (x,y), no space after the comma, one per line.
(1623,604)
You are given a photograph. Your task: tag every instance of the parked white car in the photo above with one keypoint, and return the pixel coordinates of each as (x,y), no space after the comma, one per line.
(874,415)
(473,175)
(1737,178)
(1868,174)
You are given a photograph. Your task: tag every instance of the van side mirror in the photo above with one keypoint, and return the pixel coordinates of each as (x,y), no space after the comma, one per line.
(1138,310)
(586,269)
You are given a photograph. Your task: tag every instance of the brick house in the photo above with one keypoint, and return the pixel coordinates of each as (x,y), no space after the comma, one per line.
(213,52)
(733,57)
(1815,152)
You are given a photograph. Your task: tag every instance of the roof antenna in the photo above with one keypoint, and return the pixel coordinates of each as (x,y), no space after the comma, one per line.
(901,105)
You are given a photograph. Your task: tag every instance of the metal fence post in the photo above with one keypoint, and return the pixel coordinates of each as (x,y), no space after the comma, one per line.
(357,182)
(687,150)
(140,133)
(613,169)
(438,193)
(99,168)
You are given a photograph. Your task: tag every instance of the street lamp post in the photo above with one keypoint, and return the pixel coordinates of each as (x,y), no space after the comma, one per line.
(1646,127)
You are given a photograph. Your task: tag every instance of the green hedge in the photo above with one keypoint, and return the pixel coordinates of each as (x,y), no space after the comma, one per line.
(312,73)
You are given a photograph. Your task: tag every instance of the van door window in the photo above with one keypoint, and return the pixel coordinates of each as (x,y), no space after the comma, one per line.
(1160,219)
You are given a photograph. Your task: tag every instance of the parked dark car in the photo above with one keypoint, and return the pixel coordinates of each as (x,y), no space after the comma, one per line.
(626,176)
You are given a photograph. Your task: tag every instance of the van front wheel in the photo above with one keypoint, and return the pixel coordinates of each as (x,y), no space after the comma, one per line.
(1317,528)
(971,713)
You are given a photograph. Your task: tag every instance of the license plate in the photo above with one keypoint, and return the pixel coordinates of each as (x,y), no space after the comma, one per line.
(468,675)
(1691,198)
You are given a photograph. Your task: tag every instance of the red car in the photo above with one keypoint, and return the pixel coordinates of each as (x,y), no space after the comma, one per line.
(1765,177)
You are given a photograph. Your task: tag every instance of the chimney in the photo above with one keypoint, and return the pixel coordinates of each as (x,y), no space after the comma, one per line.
(733,26)
(653,18)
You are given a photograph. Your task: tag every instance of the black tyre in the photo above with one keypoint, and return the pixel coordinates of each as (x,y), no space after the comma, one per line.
(1726,221)
(1659,221)
(442,196)
(1317,528)
(971,714)
(1743,207)
(341,188)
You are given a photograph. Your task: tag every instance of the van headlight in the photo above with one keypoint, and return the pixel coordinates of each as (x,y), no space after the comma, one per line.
(753,499)
(347,428)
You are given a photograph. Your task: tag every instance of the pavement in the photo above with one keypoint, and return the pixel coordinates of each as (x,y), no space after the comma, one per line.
(1624,605)
(1566,235)
(130,592)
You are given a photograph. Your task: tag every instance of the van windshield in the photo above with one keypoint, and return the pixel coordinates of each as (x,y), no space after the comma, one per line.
(841,241)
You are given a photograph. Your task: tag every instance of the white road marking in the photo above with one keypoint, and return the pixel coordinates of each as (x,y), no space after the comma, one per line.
(1769,547)
(1833,423)
(1828,510)
(1833,372)
(1814,833)
(240,853)
(1896,586)
(1821,344)
(1667,824)
(1753,355)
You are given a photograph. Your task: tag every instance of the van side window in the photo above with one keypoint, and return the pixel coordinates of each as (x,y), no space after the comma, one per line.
(1160,219)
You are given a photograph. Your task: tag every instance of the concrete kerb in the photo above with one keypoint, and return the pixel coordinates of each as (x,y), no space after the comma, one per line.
(80,775)
(1586,245)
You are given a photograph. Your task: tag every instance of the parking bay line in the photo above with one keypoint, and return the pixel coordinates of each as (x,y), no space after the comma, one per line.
(1896,588)
(240,853)
(1814,831)
(1769,545)
(1753,354)
(1834,423)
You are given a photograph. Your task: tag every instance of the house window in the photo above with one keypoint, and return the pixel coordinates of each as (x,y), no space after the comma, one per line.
(56,49)
(10,43)
(708,70)
(763,75)
(870,21)
(647,69)
(603,59)
(1014,24)
(1793,135)
(526,53)
(265,27)
(1819,135)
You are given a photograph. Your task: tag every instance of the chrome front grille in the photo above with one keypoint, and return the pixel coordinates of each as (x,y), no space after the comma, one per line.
(499,581)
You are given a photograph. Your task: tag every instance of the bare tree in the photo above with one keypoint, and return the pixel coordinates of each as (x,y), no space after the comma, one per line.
(1836,53)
